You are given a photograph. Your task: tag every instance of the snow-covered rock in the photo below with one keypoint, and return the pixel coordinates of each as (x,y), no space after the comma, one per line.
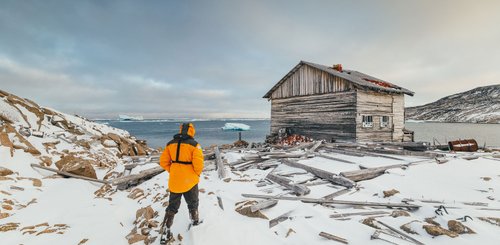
(479,105)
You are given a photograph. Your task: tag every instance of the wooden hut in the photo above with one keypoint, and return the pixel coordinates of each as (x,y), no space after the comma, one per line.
(334,104)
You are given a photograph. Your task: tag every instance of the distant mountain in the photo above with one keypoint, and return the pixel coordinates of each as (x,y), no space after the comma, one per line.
(479,105)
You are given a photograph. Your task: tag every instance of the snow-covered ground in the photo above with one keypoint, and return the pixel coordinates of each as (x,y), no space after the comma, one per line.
(72,202)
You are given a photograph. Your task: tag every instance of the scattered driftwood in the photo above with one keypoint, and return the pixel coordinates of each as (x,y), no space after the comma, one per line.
(63,173)
(400,233)
(335,216)
(335,179)
(135,179)
(291,155)
(301,146)
(333,237)
(243,166)
(279,219)
(369,173)
(300,190)
(333,158)
(368,204)
(220,164)
(263,205)
(322,201)
(336,194)
(315,147)
(209,155)
(343,151)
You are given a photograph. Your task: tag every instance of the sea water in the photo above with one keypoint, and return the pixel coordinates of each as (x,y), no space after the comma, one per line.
(208,132)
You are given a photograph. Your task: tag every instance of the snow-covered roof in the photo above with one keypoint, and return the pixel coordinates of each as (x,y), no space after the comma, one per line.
(356,77)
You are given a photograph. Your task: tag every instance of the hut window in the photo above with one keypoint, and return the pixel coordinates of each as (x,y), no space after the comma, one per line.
(384,121)
(367,121)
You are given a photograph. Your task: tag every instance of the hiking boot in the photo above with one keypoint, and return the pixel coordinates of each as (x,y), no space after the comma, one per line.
(194,216)
(170,219)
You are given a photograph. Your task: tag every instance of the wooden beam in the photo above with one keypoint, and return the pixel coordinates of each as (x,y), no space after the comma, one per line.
(314,147)
(333,237)
(135,179)
(70,174)
(336,194)
(369,173)
(335,179)
(320,200)
(300,190)
(400,233)
(333,158)
(279,219)
(263,205)
(335,216)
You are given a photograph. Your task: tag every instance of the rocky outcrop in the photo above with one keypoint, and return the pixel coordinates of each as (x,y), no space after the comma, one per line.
(5,171)
(76,165)
(25,125)
(127,147)
(479,105)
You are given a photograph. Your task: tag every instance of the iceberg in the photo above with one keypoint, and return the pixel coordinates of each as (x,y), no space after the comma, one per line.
(130,118)
(235,127)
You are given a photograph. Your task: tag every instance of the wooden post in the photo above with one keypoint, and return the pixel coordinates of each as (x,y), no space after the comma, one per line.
(333,237)
(220,165)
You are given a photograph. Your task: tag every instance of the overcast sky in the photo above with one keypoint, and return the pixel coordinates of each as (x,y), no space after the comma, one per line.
(212,59)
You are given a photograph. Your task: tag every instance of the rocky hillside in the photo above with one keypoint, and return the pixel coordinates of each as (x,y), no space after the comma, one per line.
(479,105)
(74,144)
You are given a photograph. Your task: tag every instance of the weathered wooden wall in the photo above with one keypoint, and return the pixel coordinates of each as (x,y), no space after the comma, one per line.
(308,81)
(398,108)
(327,116)
(378,104)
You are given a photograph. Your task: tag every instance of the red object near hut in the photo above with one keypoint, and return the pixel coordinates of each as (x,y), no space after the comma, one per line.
(463,145)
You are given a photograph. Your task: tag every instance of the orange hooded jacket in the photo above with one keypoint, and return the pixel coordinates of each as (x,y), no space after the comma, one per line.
(183,159)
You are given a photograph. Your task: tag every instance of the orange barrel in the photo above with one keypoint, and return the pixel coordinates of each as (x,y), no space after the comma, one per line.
(463,145)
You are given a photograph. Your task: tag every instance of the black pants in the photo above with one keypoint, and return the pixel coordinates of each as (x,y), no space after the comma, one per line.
(191,197)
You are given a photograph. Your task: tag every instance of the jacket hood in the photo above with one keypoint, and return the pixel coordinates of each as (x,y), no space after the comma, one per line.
(187,128)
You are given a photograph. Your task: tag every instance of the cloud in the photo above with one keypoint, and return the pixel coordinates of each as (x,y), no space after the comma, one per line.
(147,83)
(207,59)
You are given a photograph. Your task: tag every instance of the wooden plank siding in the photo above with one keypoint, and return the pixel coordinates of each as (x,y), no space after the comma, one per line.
(378,104)
(308,81)
(320,105)
(328,116)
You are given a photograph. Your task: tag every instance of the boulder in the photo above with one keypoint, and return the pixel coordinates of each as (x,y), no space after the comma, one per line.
(458,227)
(5,171)
(109,143)
(76,165)
(435,230)
(390,193)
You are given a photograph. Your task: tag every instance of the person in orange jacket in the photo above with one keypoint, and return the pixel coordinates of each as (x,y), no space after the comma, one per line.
(183,159)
